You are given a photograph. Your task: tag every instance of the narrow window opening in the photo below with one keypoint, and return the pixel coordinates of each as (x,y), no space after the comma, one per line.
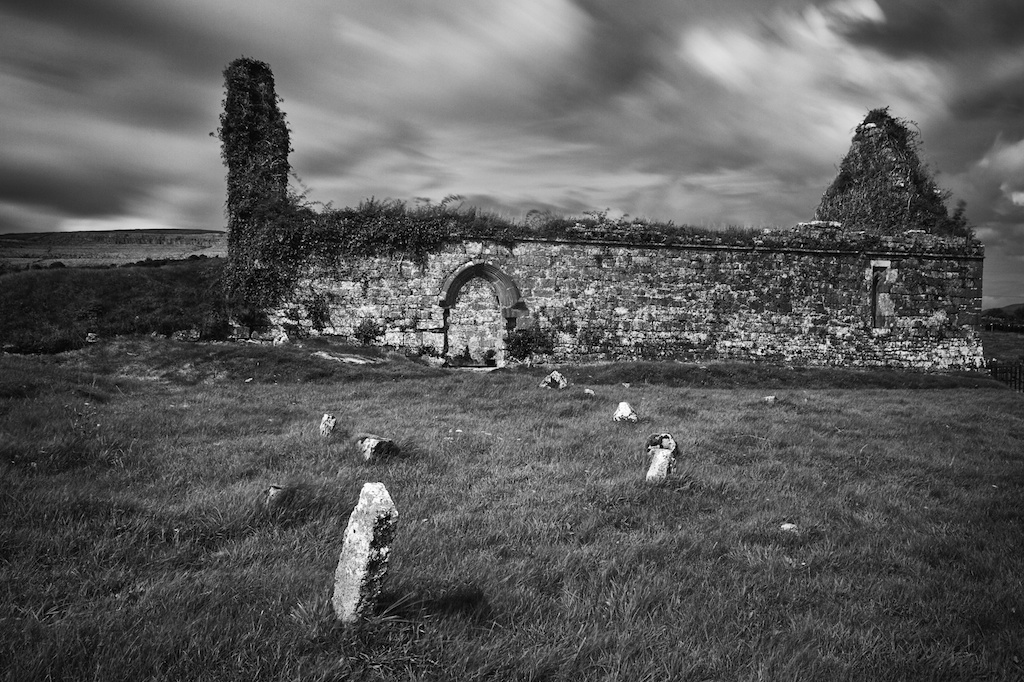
(879,288)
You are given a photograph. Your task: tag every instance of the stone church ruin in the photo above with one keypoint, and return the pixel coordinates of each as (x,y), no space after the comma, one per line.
(883,278)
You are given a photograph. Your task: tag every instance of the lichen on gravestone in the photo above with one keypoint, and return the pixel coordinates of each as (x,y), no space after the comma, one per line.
(662,448)
(661,465)
(363,563)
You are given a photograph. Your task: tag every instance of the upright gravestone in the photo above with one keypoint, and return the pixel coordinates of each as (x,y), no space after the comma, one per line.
(363,563)
(327,425)
(662,449)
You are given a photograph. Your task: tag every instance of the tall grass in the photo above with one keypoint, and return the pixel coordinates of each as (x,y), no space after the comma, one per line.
(136,543)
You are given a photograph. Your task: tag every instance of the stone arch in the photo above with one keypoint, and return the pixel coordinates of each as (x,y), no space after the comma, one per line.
(509,298)
(510,301)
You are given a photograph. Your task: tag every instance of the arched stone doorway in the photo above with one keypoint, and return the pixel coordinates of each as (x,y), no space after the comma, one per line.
(481,304)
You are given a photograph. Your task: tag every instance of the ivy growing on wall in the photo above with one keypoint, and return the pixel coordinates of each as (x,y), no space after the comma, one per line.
(264,218)
(883,186)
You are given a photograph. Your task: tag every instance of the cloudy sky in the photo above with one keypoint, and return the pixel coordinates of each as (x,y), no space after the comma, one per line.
(707,112)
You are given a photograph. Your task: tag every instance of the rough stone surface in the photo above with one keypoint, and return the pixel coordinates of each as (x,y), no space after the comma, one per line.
(554,380)
(662,460)
(625,413)
(363,563)
(374,448)
(813,295)
(327,425)
(662,440)
(273,495)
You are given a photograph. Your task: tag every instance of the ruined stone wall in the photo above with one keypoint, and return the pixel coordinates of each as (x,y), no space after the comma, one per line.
(902,303)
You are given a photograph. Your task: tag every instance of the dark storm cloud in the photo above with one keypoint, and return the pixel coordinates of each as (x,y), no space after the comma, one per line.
(628,41)
(942,28)
(114,27)
(73,190)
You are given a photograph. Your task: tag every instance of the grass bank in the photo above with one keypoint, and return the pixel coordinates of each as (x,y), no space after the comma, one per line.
(54,310)
(135,543)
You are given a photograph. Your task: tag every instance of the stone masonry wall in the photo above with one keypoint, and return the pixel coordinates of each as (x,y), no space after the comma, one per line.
(899,306)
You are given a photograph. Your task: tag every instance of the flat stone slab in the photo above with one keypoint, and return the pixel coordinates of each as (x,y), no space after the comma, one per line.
(363,563)
(347,358)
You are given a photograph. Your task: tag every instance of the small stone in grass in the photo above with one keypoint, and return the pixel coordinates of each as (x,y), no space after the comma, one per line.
(554,380)
(625,413)
(373,448)
(327,424)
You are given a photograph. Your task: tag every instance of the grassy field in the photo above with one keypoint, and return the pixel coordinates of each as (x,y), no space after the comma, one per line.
(1003,346)
(135,543)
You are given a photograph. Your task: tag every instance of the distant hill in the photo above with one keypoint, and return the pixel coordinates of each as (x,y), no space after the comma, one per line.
(1013,310)
(114,247)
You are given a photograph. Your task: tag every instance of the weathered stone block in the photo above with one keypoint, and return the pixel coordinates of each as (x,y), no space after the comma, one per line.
(273,496)
(327,424)
(363,563)
(625,413)
(554,380)
(664,441)
(662,460)
(374,448)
